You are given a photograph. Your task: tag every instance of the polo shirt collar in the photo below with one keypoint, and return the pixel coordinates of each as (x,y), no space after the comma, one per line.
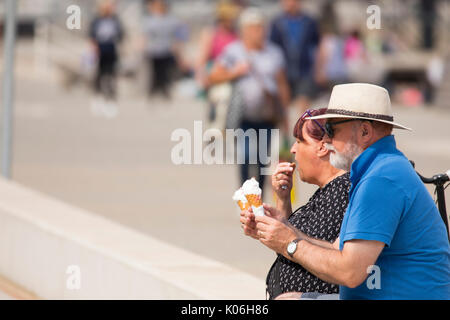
(364,160)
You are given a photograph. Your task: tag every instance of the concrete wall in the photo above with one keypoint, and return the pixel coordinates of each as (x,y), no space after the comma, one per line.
(41,237)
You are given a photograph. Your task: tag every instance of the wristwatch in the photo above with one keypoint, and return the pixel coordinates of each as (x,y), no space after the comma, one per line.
(292,247)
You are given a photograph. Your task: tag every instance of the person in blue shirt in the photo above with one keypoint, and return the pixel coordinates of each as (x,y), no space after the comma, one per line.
(106,33)
(393,243)
(297,34)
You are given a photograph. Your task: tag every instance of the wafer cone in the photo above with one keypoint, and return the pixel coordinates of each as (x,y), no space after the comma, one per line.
(254,200)
(243,205)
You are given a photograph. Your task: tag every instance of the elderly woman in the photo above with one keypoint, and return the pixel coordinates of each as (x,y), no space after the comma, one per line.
(256,68)
(320,218)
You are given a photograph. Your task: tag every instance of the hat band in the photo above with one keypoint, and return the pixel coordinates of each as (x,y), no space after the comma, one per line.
(360,114)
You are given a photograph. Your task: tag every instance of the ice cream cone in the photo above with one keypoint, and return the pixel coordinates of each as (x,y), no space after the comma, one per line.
(252,193)
(256,203)
(243,205)
(254,200)
(240,199)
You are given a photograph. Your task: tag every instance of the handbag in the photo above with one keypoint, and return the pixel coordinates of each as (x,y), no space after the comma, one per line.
(273,108)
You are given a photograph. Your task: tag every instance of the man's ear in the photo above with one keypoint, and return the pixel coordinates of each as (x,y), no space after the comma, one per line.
(366,133)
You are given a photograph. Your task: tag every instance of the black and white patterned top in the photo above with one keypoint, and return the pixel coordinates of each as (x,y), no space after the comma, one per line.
(320,218)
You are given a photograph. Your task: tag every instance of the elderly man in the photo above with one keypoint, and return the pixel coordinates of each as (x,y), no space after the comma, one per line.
(391,232)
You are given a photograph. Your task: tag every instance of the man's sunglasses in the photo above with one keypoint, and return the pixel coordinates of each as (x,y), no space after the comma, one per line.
(329,126)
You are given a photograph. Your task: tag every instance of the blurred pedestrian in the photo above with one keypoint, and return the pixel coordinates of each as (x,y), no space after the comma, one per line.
(354,46)
(357,57)
(260,90)
(164,35)
(298,36)
(331,67)
(213,41)
(106,33)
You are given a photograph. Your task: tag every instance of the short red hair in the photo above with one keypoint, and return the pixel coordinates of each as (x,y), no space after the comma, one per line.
(312,129)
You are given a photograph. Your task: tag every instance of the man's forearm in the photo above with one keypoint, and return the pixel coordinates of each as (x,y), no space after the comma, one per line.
(317,242)
(325,263)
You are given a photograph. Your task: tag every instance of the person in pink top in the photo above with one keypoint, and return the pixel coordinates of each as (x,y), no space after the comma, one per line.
(223,35)
(354,47)
(213,40)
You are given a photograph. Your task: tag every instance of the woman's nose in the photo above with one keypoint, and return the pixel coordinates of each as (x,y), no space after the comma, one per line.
(293,147)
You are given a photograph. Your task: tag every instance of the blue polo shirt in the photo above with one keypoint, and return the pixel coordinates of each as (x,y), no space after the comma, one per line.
(389,203)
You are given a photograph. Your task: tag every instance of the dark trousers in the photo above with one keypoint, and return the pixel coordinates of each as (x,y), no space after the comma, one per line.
(245,169)
(105,80)
(161,74)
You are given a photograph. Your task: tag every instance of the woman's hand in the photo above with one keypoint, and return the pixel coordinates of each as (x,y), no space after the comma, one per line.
(282,180)
(274,213)
(248,223)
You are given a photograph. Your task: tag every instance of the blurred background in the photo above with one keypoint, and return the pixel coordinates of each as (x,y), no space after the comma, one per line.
(99,137)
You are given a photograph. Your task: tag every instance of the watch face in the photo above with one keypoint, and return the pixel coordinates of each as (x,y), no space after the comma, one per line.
(291,247)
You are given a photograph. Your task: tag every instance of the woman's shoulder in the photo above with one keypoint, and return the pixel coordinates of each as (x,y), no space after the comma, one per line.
(342,180)
(339,187)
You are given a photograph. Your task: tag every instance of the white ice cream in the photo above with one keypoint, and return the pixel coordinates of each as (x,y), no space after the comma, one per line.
(251,186)
(239,196)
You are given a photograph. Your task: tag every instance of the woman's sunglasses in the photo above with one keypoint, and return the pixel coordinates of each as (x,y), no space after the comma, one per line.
(307,113)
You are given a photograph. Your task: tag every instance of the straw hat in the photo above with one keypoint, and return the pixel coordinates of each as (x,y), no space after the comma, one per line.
(360,101)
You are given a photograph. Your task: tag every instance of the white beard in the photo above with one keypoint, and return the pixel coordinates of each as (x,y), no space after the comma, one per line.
(344,160)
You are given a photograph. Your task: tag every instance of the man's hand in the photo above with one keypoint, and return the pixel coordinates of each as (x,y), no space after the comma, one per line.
(274,234)
(248,223)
